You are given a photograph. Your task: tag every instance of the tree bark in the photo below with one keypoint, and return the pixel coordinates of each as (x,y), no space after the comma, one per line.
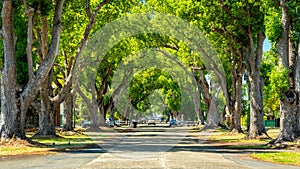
(46,115)
(289,58)
(112,112)
(102,115)
(33,86)
(93,108)
(257,127)
(212,119)
(235,105)
(237,111)
(9,102)
(289,114)
(66,93)
(68,113)
(29,11)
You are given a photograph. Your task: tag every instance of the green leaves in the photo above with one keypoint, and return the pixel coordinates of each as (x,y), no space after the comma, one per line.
(275,80)
(273,23)
(146,82)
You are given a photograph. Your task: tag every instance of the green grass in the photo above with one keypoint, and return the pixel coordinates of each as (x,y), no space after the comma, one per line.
(237,141)
(62,141)
(49,144)
(227,137)
(280,157)
(253,146)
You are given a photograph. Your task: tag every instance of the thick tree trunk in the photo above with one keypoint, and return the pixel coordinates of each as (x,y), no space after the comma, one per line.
(289,58)
(198,110)
(94,117)
(46,116)
(32,88)
(68,113)
(102,116)
(257,127)
(212,120)
(289,115)
(254,58)
(237,112)
(46,121)
(10,110)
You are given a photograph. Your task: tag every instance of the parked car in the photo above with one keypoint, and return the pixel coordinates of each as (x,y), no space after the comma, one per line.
(174,122)
(151,121)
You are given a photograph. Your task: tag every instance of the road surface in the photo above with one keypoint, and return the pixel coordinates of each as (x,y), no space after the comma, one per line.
(149,147)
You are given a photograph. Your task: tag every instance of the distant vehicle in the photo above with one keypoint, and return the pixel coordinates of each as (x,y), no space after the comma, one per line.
(117,123)
(143,121)
(174,122)
(151,121)
(86,124)
(109,122)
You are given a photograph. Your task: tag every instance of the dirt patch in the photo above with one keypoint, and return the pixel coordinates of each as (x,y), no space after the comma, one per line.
(15,143)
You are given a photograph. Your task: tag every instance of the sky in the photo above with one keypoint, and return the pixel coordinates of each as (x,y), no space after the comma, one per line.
(267,45)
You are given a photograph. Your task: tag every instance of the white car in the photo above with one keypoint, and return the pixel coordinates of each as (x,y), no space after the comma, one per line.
(151,121)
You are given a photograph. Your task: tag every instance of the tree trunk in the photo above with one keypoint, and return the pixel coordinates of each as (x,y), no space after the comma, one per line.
(254,58)
(257,127)
(289,115)
(102,116)
(289,58)
(68,113)
(212,120)
(9,102)
(222,118)
(29,11)
(11,125)
(198,109)
(112,113)
(72,67)
(92,106)
(94,117)
(237,112)
(46,121)
(46,115)
(28,95)
(125,114)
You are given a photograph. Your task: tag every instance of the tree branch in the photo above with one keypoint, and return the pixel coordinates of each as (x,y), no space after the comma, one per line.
(171,47)
(34,84)
(100,6)
(29,12)
(87,8)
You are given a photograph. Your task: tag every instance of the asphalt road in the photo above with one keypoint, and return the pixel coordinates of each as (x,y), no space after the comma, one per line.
(149,147)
